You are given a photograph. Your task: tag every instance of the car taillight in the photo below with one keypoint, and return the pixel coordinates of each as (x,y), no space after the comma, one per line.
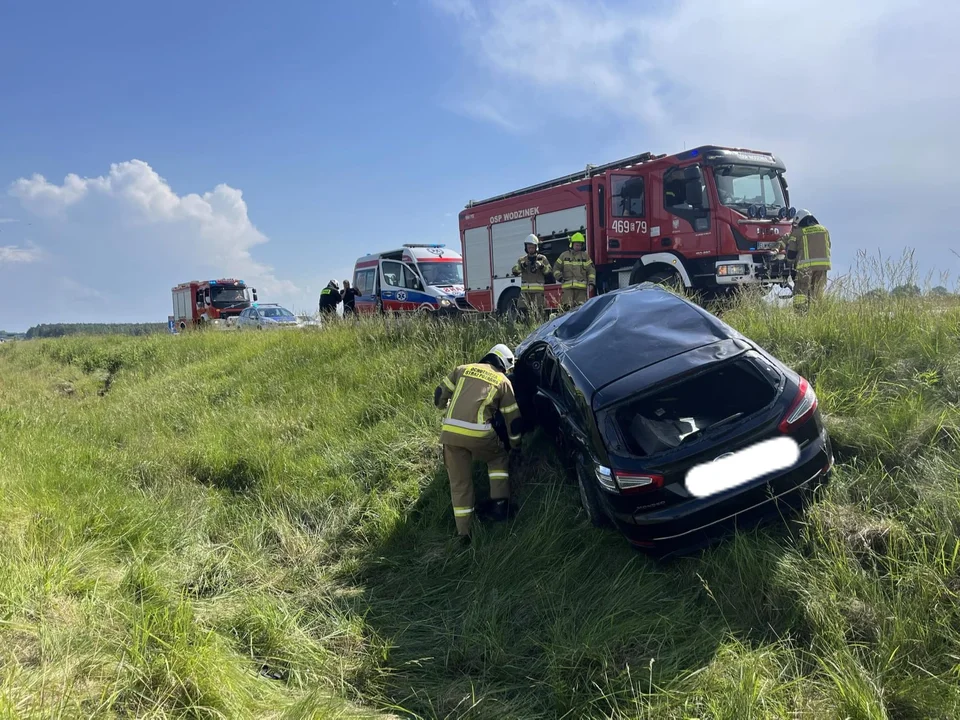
(630,484)
(801,409)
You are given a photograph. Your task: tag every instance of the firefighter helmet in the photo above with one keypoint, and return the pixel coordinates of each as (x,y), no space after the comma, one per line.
(532,240)
(803,215)
(502,356)
(577,237)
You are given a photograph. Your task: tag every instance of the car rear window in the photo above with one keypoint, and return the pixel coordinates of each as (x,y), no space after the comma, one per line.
(679,413)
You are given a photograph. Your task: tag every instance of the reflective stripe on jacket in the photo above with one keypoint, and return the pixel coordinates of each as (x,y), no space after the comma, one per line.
(575,270)
(475,392)
(812,245)
(532,280)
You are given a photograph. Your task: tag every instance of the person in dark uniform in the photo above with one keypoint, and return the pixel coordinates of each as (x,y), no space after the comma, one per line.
(349,297)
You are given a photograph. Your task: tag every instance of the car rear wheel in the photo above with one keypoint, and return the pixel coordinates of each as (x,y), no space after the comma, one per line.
(589,500)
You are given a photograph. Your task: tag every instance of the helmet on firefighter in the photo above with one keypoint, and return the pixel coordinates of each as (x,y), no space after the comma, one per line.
(531,240)
(577,237)
(804,215)
(500,355)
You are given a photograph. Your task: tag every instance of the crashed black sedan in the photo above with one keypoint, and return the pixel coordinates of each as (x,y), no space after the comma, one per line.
(677,427)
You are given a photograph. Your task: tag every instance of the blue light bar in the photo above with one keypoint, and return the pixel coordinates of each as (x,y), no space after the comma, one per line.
(213,282)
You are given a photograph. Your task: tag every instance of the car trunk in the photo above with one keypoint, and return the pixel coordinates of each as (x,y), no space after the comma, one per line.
(682,412)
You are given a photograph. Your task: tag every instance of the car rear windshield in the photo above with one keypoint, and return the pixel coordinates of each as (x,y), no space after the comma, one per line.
(681,412)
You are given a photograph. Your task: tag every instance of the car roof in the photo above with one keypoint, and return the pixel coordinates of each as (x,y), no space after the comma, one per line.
(621,332)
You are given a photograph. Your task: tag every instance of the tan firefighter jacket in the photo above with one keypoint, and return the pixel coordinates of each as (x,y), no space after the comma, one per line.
(532,279)
(812,247)
(575,270)
(475,393)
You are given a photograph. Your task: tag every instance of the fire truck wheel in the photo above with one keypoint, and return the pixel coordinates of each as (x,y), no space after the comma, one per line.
(508,305)
(666,277)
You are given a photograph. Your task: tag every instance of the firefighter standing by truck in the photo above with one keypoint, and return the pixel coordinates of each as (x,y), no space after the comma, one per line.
(808,249)
(533,269)
(477,393)
(575,272)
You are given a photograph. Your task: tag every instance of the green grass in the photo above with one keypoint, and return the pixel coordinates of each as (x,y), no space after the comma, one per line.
(253,525)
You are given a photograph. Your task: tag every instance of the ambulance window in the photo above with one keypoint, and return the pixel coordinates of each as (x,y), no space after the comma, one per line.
(392,273)
(410,279)
(626,196)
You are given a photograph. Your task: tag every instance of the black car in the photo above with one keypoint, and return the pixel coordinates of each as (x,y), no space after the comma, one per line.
(640,389)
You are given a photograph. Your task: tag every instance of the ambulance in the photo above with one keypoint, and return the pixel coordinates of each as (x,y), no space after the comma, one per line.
(415,278)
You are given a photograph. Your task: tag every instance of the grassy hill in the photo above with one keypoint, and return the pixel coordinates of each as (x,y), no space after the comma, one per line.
(257,525)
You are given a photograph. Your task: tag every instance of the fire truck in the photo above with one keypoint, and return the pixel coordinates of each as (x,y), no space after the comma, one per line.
(708,219)
(200,303)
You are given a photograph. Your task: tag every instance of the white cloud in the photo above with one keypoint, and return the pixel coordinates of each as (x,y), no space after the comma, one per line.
(131,215)
(16,254)
(5,220)
(856,96)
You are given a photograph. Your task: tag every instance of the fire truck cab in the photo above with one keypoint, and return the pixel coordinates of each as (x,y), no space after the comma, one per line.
(416,277)
(709,219)
(199,303)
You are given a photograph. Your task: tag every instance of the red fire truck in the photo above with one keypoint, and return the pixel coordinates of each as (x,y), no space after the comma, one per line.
(709,219)
(210,302)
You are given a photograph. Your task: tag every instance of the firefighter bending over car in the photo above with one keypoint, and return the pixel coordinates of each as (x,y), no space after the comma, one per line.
(533,269)
(575,272)
(808,249)
(480,397)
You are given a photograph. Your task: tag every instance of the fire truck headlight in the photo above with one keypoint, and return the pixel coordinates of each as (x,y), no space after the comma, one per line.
(729,270)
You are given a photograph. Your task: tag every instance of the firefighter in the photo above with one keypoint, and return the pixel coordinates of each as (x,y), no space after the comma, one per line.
(330,298)
(808,249)
(575,273)
(480,396)
(533,269)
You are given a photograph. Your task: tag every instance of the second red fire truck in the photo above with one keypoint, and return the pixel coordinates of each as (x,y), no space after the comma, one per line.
(708,219)
(201,303)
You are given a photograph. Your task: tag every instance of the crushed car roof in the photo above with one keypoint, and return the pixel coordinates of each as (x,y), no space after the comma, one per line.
(623,331)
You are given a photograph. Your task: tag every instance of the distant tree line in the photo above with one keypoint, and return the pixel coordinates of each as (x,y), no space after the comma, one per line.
(63,329)
(910,290)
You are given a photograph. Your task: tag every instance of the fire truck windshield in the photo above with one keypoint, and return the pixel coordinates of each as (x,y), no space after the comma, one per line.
(741,186)
(225,296)
(442,273)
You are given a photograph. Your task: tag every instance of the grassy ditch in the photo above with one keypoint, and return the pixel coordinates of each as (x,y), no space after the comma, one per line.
(258,525)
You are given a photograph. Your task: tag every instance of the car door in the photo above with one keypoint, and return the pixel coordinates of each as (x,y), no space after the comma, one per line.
(365,282)
(400,287)
(550,408)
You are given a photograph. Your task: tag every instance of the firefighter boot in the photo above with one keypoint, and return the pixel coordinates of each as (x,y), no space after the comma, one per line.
(497,510)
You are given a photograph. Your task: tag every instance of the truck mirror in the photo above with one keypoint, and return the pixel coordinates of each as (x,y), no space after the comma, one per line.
(254,291)
(694,193)
(693,172)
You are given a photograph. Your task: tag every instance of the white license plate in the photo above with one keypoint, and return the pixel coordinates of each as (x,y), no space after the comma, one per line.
(769,245)
(729,471)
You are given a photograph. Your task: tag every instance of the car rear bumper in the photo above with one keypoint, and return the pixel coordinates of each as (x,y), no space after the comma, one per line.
(696,523)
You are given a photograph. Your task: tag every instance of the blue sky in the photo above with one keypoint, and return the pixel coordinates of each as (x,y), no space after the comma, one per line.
(143,145)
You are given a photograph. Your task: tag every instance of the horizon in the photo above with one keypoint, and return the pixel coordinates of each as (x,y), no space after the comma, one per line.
(150,147)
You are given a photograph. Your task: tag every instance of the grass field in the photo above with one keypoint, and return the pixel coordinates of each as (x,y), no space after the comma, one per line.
(258,525)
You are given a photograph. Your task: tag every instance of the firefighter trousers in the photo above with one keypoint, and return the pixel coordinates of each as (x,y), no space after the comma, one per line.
(572,297)
(810,285)
(459,454)
(532,300)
